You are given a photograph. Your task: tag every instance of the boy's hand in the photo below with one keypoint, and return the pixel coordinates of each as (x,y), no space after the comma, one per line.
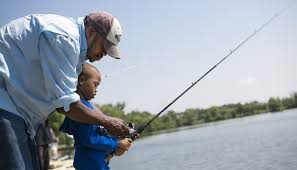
(119,152)
(124,143)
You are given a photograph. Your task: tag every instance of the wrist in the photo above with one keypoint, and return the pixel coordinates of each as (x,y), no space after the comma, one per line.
(105,121)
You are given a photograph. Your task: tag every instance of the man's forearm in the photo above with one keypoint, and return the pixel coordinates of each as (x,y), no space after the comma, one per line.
(80,113)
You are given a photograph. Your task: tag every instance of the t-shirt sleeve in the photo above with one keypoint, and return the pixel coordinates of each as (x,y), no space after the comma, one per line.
(88,136)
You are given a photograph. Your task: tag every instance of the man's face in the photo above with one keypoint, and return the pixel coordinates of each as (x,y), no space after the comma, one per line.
(95,46)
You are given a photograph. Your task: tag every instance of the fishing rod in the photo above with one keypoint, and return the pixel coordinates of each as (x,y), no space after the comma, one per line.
(133,132)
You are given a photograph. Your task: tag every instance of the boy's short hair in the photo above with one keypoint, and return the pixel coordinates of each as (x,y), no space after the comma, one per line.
(86,67)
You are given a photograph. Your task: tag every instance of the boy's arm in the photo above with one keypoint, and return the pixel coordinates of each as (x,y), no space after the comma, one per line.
(88,136)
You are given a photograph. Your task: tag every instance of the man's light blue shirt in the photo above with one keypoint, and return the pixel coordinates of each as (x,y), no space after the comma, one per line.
(40,60)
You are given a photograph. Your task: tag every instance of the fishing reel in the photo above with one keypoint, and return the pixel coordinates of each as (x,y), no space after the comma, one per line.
(132,132)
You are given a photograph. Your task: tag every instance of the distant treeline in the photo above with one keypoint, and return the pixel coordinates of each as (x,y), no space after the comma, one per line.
(193,116)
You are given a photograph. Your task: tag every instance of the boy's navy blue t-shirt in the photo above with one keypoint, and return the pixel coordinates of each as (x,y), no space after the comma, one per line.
(92,145)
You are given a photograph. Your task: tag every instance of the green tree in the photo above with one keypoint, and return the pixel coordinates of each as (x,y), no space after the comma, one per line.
(189,117)
(294,97)
(169,120)
(116,110)
(139,119)
(55,121)
(274,104)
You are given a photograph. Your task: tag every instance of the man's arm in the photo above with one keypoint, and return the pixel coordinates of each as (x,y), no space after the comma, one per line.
(80,113)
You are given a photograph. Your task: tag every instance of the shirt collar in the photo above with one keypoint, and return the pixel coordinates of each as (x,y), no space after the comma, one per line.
(83,40)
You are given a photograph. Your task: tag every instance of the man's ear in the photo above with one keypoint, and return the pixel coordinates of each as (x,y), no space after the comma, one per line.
(90,31)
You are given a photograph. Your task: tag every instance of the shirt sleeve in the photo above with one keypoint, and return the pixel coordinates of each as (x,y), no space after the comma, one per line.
(59,57)
(88,136)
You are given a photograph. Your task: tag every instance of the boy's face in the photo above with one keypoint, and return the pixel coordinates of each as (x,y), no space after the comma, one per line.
(87,87)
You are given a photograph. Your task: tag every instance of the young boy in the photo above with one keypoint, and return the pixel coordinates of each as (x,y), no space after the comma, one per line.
(93,145)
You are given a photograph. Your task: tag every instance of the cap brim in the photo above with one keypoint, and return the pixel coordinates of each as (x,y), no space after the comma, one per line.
(111,49)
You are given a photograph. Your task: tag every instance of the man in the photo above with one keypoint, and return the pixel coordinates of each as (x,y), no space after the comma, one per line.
(44,137)
(40,60)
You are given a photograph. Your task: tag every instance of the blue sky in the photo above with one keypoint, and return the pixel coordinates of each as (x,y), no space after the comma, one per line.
(169,44)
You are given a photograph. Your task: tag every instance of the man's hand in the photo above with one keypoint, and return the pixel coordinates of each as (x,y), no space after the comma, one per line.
(116,127)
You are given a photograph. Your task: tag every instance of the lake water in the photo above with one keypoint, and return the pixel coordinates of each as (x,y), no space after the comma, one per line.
(261,142)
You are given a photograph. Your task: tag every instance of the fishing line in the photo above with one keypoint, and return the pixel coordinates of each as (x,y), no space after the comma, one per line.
(276,15)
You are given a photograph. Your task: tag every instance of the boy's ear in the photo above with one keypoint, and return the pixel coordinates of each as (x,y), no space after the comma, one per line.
(81,80)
